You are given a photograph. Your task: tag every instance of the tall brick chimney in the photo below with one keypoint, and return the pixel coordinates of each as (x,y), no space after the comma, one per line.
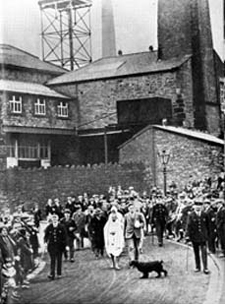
(184,28)
(108,30)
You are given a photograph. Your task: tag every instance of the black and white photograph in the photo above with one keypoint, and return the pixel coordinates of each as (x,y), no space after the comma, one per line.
(112,151)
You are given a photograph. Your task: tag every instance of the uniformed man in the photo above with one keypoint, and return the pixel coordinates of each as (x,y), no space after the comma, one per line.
(159,218)
(197,232)
(56,240)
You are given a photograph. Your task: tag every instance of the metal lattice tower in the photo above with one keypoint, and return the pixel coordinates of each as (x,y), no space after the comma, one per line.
(66,32)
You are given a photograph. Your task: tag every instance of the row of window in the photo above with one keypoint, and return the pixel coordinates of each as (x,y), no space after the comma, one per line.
(39,107)
(29,152)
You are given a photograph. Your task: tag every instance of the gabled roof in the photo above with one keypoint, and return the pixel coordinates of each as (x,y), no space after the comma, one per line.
(29,88)
(124,65)
(10,55)
(180,131)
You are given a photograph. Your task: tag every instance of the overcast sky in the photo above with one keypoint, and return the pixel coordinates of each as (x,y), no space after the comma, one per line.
(135,25)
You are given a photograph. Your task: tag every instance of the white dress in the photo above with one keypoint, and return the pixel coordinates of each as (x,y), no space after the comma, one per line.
(114,235)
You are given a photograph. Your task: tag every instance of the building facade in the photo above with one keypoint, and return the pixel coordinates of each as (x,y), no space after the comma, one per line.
(37,123)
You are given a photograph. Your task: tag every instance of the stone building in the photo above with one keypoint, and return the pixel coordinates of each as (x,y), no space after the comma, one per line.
(193,155)
(179,84)
(107,102)
(35,120)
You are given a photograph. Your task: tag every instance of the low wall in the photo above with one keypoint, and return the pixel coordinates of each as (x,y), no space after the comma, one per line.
(30,185)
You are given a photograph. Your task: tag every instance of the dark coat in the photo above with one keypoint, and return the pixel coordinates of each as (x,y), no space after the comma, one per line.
(198,227)
(8,247)
(69,224)
(56,238)
(211,213)
(159,213)
(220,218)
(25,253)
(97,230)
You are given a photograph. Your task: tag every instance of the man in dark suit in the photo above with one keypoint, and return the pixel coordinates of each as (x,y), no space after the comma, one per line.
(220,224)
(211,211)
(134,223)
(70,227)
(159,219)
(197,232)
(56,239)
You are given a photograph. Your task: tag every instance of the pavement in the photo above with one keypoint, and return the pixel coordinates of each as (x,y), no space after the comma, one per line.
(215,292)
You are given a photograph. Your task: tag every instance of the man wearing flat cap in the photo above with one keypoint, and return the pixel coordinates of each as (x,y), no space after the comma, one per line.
(197,232)
(70,227)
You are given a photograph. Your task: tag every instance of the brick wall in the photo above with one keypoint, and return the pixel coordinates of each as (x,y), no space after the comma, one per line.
(30,185)
(189,156)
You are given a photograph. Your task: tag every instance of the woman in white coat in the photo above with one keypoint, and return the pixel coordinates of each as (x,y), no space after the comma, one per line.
(114,236)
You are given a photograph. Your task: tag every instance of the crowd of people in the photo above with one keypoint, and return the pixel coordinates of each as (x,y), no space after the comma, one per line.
(113,223)
(19,251)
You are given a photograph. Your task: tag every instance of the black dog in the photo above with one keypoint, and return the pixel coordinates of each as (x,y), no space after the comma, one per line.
(146,267)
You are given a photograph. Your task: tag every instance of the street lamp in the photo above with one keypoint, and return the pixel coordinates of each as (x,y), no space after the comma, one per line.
(164,159)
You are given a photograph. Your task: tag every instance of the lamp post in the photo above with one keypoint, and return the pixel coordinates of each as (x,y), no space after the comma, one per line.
(164,159)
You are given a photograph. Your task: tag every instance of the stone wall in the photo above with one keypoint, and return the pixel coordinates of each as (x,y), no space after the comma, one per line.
(184,28)
(174,28)
(28,119)
(97,99)
(189,156)
(30,185)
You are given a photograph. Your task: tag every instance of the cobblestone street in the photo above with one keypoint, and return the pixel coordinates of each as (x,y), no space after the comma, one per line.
(90,280)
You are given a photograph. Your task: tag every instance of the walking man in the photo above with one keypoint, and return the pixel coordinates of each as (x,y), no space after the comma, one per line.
(197,232)
(70,227)
(220,224)
(56,240)
(134,222)
(159,218)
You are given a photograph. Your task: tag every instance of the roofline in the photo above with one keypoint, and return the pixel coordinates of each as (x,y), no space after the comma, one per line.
(112,77)
(162,128)
(30,54)
(13,66)
(14,47)
(120,76)
(190,135)
(67,98)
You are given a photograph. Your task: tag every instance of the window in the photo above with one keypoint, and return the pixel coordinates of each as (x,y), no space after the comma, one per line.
(62,109)
(44,152)
(40,107)
(28,152)
(16,105)
(11,151)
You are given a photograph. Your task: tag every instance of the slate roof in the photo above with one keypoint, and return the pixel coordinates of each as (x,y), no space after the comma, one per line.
(10,55)
(124,65)
(29,88)
(180,131)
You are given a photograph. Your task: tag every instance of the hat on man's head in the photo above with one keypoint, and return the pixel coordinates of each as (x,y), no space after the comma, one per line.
(198,201)
(67,211)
